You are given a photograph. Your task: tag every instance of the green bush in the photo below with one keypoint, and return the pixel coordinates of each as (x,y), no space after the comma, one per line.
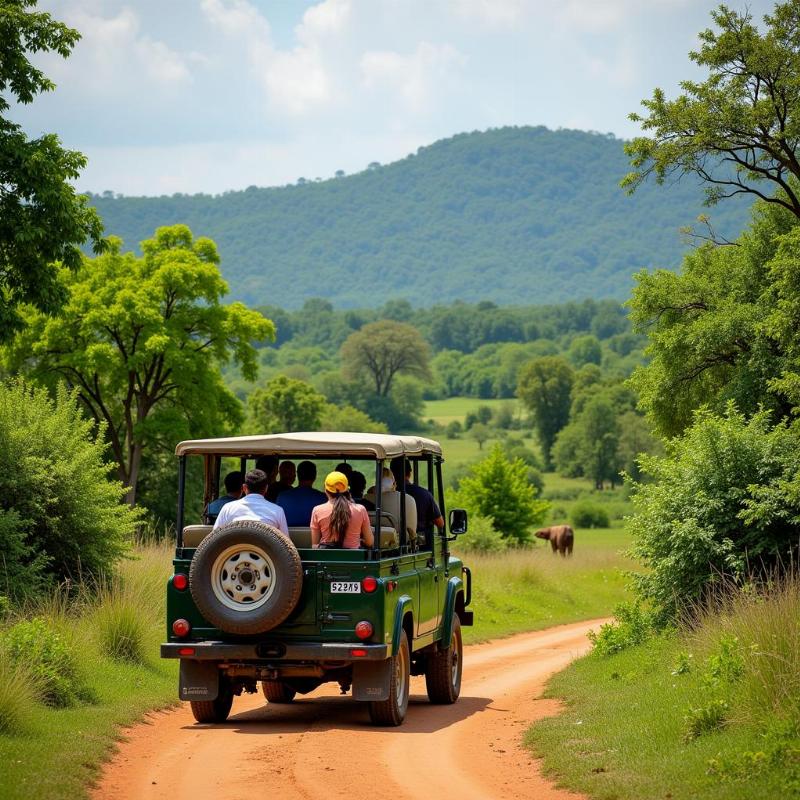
(43,653)
(17,696)
(498,489)
(633,625)
(724,500)
(121,630)
(482,537)
(60,515)
(453,429)
(586,514)
(706,718)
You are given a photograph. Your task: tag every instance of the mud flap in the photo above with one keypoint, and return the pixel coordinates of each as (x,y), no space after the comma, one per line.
(371,679)
(199,680)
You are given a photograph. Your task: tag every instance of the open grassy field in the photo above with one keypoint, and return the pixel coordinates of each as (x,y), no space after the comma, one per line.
(455,409)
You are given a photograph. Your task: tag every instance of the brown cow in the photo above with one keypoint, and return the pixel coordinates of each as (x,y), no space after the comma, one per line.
(561,538)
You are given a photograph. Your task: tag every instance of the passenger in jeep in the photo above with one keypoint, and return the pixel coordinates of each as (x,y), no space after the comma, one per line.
(358,483)
(428,513)
(340,522)
(233,489)
(254,505)
(298,503)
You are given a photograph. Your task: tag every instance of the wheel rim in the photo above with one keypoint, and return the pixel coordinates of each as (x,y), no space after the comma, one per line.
(243,577)
(455,663)
(401,678)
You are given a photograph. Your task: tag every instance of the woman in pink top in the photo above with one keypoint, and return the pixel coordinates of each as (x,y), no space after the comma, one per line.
(340,522)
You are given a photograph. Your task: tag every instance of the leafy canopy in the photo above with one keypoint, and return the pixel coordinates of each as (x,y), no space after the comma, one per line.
(739,129)
(140,339)
(42,219)
(498,489)
(285,405)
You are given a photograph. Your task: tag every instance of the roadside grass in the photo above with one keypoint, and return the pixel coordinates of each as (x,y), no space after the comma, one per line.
(55,753)
(530,588)
(708,712)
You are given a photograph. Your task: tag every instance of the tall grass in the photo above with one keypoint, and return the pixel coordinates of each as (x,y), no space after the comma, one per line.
(17,696)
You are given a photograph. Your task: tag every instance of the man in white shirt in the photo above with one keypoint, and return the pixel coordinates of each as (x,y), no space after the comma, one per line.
(254,505)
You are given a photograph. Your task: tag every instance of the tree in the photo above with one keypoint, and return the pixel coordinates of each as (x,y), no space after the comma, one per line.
(739,129)
(347,418)
(480,433)
(285,405)
(585,350)
(140,339)
(42,219)
(545,385)
(382,350)
(498,488)
(635,440)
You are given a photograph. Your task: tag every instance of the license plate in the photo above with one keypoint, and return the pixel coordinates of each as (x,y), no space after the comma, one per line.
(345,587)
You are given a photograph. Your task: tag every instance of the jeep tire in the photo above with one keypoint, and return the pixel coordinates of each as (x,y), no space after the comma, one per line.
(277,691)
(443,668)
(214,711)
(392,711)
(246,577)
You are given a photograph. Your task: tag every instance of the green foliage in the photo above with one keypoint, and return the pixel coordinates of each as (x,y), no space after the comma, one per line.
(141,340)
(42,220)
(347,418)
(737,129)
(710,507)
(60,516)
(121,628)
(480,433)
(706,718)
(585,350)
(633,624)
(285,405)
(482,537)
(381,351)
(17,696)
(586,514)
(49,662)
(545,386)
(424,227)
(498,489)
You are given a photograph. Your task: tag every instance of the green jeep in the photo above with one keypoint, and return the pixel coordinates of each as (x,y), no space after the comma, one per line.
(247,604)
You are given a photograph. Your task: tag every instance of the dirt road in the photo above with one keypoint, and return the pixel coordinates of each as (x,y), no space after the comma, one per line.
(322,745)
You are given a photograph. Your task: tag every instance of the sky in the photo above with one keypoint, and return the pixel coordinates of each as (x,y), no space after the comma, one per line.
(189,96)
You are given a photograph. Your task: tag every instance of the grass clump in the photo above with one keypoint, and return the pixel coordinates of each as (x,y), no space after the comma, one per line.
(49,662)
(121,630)
(632,625)
(17,696)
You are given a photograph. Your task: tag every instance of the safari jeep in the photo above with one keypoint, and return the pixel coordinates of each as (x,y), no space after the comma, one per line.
(246,604)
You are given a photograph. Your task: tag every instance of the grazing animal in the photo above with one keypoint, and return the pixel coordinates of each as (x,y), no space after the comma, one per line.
(561,538)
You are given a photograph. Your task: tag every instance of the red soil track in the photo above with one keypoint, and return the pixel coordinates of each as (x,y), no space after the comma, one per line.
(322,745)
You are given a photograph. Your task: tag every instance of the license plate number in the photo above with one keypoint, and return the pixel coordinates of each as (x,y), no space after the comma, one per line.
(345,587)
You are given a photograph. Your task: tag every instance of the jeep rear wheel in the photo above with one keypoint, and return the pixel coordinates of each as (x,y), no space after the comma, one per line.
(443,669)
(392,711)
(246,577)
(214,710)
(277,691)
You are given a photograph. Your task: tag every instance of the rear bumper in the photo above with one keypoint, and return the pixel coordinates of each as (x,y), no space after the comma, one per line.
(275,651)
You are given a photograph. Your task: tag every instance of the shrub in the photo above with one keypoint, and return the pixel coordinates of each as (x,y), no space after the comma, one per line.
(482,537)
(60,516)
(586,514)
(17,696)
(453,429)
(724,500)
(45,656)
(706,718)
(633,625)
(498,489)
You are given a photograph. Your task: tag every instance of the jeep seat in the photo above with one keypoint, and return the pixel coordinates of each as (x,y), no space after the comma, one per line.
(194,534)
(301,537)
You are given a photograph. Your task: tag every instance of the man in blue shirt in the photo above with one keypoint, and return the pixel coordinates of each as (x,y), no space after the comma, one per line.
(298,503)
(233,487)
(254,505)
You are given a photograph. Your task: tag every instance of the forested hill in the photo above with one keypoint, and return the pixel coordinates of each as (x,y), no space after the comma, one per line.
(515,215)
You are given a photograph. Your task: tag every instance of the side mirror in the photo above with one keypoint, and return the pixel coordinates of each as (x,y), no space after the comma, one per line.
(458,521)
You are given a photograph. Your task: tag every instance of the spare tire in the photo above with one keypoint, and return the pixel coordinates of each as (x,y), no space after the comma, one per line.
(246,577)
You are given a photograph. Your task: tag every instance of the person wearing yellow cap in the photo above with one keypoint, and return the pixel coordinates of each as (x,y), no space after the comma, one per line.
(340,522)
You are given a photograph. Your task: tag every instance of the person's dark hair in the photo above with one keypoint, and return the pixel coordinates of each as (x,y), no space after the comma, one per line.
(401,469)
(306,471)
(340,516)
(233,482)
(358,483)
(345,469)
(256,481)
(267,464)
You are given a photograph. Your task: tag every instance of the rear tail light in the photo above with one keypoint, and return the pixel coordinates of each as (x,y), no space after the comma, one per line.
(369,584)
(358,652)
(181,627)
(186,651)
(180,581)
(364,629)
